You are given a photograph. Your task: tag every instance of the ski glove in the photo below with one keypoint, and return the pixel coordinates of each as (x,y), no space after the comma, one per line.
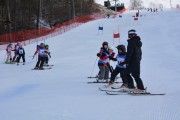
(98,54)
(122,63)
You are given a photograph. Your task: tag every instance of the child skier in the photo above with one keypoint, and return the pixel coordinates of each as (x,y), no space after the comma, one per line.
(16,52)
(9,55)
(47,55)
(41,53)
(120,67)
(102,49)
(21,53)
(103,64)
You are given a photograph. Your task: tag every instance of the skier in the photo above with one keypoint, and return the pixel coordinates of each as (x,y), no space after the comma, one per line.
(16,52)
(104,65)
(120,67)
(102,49)
(21,53)
(132,62)
(137,13)
(47,55)
(9,55)
(41,53)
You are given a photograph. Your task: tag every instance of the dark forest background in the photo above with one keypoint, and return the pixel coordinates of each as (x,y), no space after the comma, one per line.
(17,15)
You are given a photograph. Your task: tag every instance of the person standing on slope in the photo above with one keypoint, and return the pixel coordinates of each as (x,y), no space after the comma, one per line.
(103,63)
(21,53)
(120,67)
(104,48)
(41,54)
(16,52)
(9,55)
(133,59)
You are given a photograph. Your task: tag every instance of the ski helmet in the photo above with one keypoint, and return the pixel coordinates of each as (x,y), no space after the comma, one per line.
(42,45)
(46,46)
(132,32)
(105,43)
(121,47)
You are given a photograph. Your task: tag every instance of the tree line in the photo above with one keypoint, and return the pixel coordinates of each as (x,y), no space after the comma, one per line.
(17,15)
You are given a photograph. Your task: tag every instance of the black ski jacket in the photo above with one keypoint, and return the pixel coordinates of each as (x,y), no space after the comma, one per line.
(134,52)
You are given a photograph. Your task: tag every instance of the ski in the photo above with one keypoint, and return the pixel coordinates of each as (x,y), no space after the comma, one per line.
(48,65)
(98,82)
(97,77)
(115,87)
(42,69)
(20,64)
(93,77)
(147,93)
(133,94)
(115,93)
(101,82)
(10,63)
(108,90)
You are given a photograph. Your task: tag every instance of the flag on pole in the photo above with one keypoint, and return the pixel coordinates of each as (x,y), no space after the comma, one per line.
(117,35)
(100,28)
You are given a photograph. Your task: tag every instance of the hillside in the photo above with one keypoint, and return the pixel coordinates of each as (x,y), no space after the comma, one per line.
(62,93)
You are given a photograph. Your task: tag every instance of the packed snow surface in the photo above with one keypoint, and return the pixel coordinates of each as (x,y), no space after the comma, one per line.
(62,93)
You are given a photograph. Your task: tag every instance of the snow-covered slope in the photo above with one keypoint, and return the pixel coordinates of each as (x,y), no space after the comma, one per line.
(62,93)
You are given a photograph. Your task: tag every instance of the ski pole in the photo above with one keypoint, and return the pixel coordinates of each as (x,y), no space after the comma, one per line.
(5,57)
(93,67)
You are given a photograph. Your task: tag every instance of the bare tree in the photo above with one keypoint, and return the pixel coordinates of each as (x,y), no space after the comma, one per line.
(136,4)
(28,14)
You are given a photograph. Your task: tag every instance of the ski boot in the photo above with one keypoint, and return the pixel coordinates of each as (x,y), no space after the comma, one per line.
(138,91)
(41,68)
(36,68)
(6,61)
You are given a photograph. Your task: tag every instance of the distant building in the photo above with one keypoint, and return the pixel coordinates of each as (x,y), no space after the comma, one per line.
(118,6)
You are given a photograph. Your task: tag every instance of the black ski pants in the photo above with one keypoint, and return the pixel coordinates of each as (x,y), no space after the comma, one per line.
(40,62)
(133,71)
(46,59)
(122,74)
(19,57)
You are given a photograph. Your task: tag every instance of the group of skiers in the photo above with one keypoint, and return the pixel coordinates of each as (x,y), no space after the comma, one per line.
(43,56)
(128,63)
(19,52)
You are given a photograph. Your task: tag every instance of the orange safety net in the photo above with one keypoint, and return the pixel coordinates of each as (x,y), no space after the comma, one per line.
(45,32)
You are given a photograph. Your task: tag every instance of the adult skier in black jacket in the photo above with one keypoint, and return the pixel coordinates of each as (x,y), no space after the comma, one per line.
(133,59)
